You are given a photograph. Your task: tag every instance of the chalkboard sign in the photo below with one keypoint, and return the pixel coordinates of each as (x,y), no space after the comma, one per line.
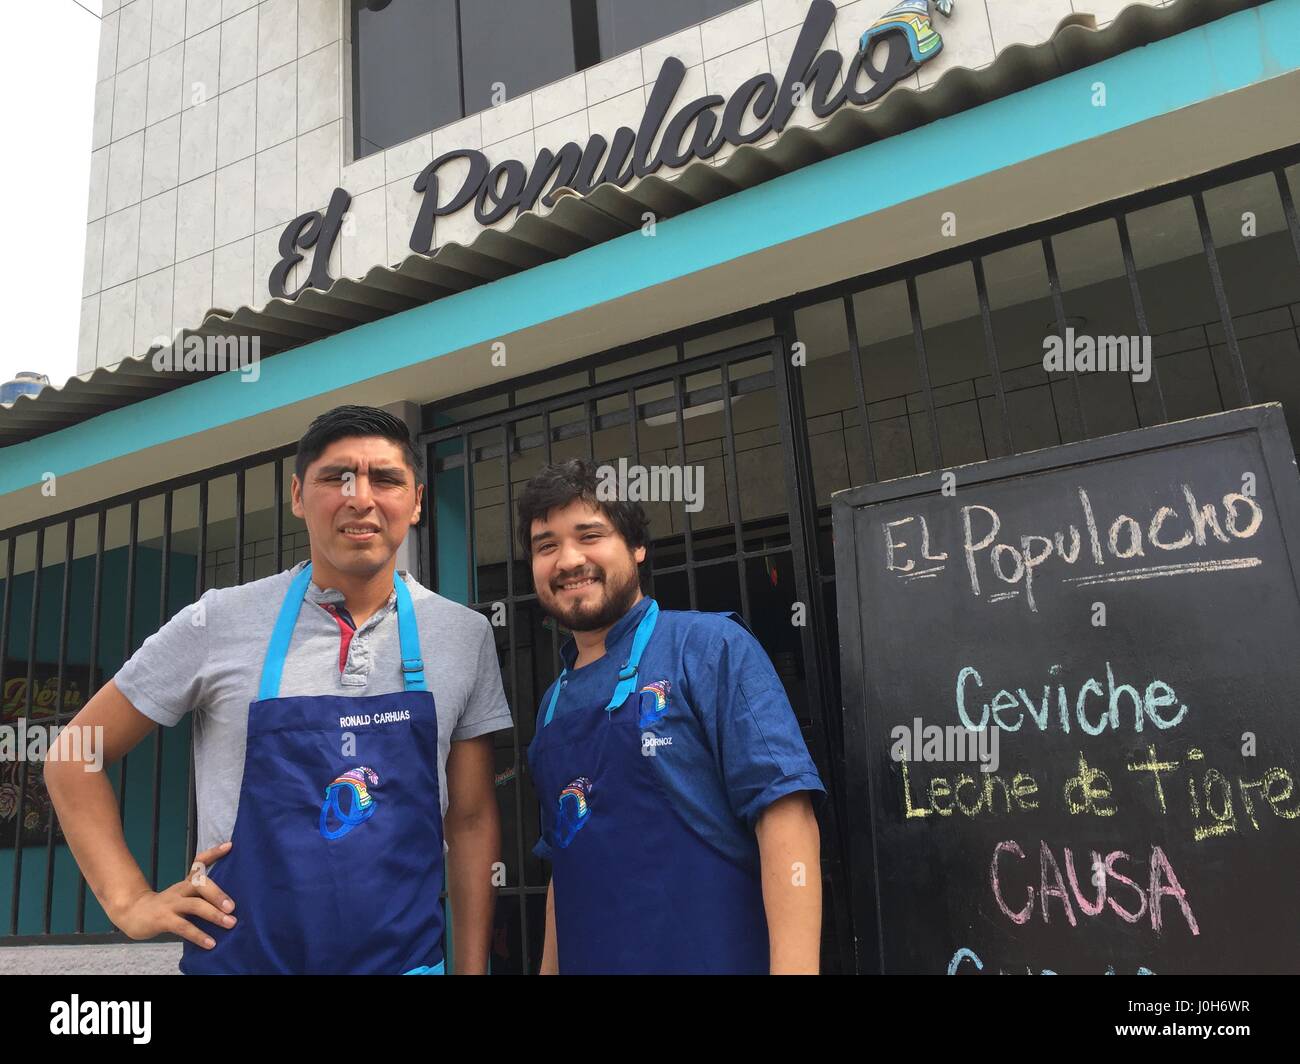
(1071,688)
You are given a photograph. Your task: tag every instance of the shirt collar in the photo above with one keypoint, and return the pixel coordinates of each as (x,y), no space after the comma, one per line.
(619,634)
(318,594)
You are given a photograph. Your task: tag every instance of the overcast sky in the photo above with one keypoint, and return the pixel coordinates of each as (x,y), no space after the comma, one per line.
(48,53)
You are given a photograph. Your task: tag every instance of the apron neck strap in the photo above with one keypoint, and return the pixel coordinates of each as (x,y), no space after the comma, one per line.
(626,675)
(407,634)
(555,696)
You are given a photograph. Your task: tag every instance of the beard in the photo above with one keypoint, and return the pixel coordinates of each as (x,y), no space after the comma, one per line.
(617,594)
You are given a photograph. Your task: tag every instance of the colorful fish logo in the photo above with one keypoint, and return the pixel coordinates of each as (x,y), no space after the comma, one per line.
(574,810)
(653,708)
(356,784)
(911,18)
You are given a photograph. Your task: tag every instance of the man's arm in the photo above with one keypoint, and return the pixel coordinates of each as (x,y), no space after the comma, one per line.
(550,955)
(92,824)
(789,848)
(770,780)
(472,827)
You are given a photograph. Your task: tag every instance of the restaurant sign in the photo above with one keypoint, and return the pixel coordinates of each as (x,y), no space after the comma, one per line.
(696,130)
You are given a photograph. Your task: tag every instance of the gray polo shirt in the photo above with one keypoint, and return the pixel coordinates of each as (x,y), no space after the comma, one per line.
(208,659)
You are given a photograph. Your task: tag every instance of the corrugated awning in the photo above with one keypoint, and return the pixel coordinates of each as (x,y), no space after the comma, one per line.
(578,222)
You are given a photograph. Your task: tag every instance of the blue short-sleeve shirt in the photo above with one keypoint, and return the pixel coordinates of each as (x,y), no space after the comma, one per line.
(726,742)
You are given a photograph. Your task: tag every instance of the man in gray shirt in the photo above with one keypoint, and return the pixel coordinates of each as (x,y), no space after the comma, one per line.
(350,706)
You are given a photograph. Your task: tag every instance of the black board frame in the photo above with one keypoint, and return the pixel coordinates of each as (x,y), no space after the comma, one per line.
(1266,421)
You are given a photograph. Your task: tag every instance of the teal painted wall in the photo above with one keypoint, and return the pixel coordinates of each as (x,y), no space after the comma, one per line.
(452,572)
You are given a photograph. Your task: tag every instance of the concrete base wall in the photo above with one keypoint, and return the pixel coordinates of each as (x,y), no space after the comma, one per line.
(123,959)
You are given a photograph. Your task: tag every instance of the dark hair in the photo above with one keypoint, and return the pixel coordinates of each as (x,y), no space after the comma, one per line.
(560,483)
(345,421)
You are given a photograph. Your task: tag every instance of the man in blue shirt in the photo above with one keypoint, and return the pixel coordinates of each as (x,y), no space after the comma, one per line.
(673,782)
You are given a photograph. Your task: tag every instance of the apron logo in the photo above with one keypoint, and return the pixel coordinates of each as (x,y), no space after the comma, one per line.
(574,810)
(354,783)
(653,708)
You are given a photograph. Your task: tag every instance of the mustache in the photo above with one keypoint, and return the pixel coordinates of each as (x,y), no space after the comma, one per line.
(589,573)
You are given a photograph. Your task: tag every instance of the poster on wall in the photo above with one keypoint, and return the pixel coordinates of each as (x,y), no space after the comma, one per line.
(20,738)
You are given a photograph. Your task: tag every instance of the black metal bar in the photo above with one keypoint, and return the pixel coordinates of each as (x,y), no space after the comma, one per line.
(460,61)
(555,628)
(991,345)
(1288,209)
(1056,410)
(679,421)
(65,605)
(589,416)
(471,572)
(1214,369)
(357,138)
(164,568)
(21,775)
(7,609)
(92,672)
(807,576)
(239,526)
(979,419)
(1135,291)
(923,366)
(428,526)
(1058,309)
(278,503)
(1221,298)
(512,653)
(200,586)
(633,428)
(859,385)
(732,473)
(127,627)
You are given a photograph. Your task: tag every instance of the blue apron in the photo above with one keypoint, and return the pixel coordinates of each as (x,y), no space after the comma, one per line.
(637,890)
(337,861)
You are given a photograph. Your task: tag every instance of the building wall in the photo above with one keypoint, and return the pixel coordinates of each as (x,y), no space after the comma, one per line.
(219,121)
